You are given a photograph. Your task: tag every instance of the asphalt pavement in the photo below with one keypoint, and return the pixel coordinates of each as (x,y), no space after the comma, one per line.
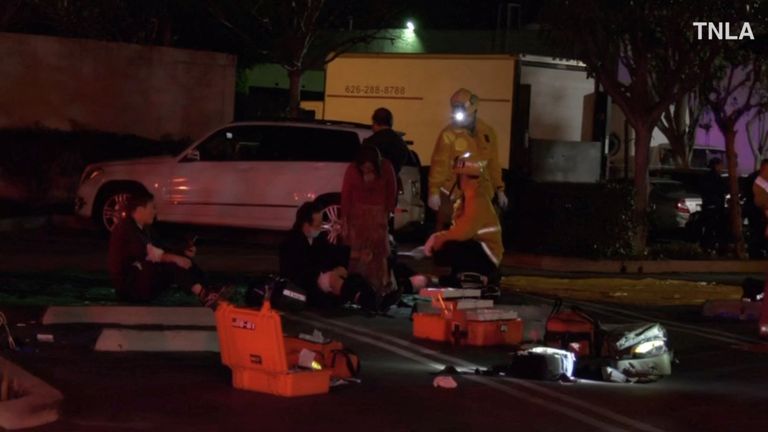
(720,382)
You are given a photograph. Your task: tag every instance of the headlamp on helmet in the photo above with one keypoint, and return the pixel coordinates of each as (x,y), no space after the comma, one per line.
(459,115)
(464,105)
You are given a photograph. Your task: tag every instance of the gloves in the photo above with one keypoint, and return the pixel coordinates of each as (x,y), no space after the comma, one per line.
(428,245)
(502,199)
(434,202)
(324,281)
(434,243)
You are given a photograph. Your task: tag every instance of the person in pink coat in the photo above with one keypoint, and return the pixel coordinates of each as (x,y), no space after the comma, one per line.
(368,198)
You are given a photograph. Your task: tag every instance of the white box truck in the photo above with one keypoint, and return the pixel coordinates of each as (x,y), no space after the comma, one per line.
(417,89)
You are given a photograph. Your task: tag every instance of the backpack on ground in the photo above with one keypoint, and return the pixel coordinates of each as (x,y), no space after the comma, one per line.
(571,330)
(538,363)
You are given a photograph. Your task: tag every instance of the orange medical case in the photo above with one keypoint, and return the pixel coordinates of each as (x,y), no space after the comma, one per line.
(252,345)
(491,333)
(435,327)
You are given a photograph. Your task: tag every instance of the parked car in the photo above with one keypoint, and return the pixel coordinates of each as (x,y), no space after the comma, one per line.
(671,205)
(249,174)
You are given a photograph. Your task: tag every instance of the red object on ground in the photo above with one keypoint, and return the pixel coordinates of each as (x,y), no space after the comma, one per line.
(571,330)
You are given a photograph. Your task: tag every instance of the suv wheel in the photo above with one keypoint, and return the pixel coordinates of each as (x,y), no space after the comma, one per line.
(331,213)
(113,209)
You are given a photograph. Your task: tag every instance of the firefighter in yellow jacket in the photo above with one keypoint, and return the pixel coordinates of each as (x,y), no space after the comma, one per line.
(473,243)
(465,134)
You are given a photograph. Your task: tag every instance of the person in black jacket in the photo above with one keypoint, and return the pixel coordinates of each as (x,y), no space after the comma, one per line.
(713,191)
(310,261)
(141,267)
(390,144)
(755,218)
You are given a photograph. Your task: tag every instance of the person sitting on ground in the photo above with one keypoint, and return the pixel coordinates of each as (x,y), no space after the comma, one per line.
(310,261)
(473,243)
(140,269)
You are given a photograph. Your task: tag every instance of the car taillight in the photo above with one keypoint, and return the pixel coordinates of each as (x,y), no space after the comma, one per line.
(682,207)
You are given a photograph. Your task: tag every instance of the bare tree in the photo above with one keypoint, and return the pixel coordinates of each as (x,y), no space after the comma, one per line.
(146,22)
(300,34)
(679,124)
(646,56)
(757,135)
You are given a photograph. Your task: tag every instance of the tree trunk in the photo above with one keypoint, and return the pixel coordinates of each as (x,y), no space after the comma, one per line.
(642,150)
(679,148)
(681,126)
(294,92)
(734,206)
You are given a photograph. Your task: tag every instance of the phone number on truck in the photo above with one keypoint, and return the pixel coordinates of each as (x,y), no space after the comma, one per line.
(375,90)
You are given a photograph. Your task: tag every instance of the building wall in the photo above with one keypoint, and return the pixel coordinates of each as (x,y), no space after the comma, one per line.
(557,102)
(148,91)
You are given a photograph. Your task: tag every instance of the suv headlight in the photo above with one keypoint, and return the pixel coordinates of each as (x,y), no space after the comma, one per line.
(91,174)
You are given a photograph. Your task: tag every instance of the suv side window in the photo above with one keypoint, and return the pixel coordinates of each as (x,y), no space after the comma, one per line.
(280,144)
(240,143)
(330,145)
(219,147)
(308,144)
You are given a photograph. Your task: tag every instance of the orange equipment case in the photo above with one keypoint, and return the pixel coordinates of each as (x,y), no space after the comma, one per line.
(435,327)
(490,333)
(252,345)
(451,325)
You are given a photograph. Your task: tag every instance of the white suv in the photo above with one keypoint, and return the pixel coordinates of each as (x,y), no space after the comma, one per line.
(249,174)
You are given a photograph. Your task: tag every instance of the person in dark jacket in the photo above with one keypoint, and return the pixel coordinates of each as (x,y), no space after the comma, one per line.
(390,144)
(755,218)
(310,261)
(713,191)
(141,267)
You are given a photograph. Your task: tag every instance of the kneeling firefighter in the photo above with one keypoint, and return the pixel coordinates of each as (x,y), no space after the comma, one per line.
(473,243)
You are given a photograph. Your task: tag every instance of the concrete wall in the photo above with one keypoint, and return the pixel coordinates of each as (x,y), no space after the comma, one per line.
(557,101)
(148,91)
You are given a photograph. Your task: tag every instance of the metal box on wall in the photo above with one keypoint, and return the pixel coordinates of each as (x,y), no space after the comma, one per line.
(565,161)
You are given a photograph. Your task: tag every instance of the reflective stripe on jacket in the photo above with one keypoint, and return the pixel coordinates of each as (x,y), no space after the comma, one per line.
(475,219)
(453,142)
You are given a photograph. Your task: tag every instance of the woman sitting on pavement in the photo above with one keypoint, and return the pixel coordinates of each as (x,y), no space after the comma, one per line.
(140,269)
(310,261)
(473,243)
